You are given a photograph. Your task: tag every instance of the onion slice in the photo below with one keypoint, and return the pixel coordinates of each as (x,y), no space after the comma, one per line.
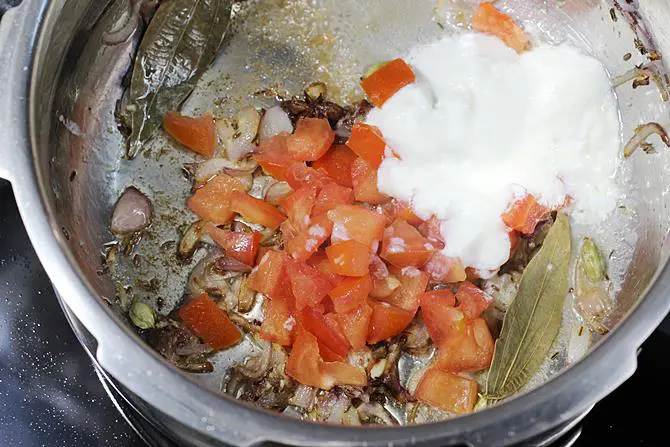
(640,137)
(274,122)
(132,212)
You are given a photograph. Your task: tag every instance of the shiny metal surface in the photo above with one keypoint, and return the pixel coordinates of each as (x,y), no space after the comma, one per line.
(60,82)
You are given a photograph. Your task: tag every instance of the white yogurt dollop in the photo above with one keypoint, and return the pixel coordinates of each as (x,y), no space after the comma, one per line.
(484,124)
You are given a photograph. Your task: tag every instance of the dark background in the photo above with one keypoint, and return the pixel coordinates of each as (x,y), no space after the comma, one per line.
(50,395)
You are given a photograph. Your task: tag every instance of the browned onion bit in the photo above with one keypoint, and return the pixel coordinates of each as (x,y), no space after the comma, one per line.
(132,212)
(641,135)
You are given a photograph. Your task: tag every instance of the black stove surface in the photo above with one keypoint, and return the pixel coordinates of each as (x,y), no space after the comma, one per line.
(51,396)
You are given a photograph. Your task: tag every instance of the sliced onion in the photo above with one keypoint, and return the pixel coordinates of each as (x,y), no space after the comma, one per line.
(242,142)
(640,136)
(259,364)
(195,349)
(343,128)
(274,122)
(333,407)
(230,264)
(276,191)
(303,397)
(132,212)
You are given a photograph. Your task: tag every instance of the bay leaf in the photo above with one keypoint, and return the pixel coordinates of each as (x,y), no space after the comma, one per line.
(181,41)
(533,320)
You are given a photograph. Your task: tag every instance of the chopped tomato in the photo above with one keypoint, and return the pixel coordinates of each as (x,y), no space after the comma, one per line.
(341,373)
(320,262)
(383,282)
(386,321)
(273,157)
(197,134)
(398,210)
(326,330)
(330,196)
(212,201)
(268,276)
(299,174)
(469,351)
(367,142)
(278,323)
(337,164)
(209,322)
(443,269)
(472,300)
(298,206)
(404,246)
(306,242)
(288,232)
(364,179)
(304,363)
(349,258)
(413,284)
(488,19)
(357,223)
(387,80)
(351,293)
(432,230)
(448,392)
(524,214)
(309,286)
(237,244)
(262,250)
(256,210)
(441,318)
(355,324)
(311,140)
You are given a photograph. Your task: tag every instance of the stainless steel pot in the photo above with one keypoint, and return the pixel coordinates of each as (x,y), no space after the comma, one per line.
(61,76)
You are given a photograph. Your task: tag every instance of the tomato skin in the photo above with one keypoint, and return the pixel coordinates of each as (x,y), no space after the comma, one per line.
(386,321)
(337,164)
(443,269)
(278,323)
(237,244)
(196,133)
(449,392)
(326,330)
(524,214)
(307,242)
(354,324)
(303,362)
(364,180)
(367,142)
(311,140)
(386,81)
(351,293)
(274,158)
(256,210)
(349,258)
(404,246)
(309,286)
(357,223)
(212,202)
(298,206)
(441,318)
(299,174)
(472,301)
(469,351)
(488,19)
(413,283)
(209,322)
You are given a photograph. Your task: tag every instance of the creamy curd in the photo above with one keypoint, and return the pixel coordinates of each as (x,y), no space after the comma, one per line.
(483,125)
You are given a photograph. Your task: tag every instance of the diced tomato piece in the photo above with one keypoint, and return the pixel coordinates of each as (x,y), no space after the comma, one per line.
(288,232)
(469,351)
(448,392)
(351,293)
(349,258)
(355,324)
(256,210)
(268,276)
(337,164)
(262,250)
(320,262)
(364,179)
(524,214)
(383,282)
(357,223)
(299,174)
(404,246)
(196,133)
(443,269)
(209,322)
(311,140)
(237,244)
(368,143)
(431,229)
(387,80)
(309,286)
(398,210)
(472,300)
(386,321)
(413,283)
(441,318)
(330,196)
(273,157)
(488,19)
(278,323)
(305,243)
(212,201)
(326,330)
(341,373)
(304,362)
(328,354)
(298,206)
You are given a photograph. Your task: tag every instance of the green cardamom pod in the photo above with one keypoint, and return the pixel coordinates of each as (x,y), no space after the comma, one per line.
(142,315)
(592,261)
